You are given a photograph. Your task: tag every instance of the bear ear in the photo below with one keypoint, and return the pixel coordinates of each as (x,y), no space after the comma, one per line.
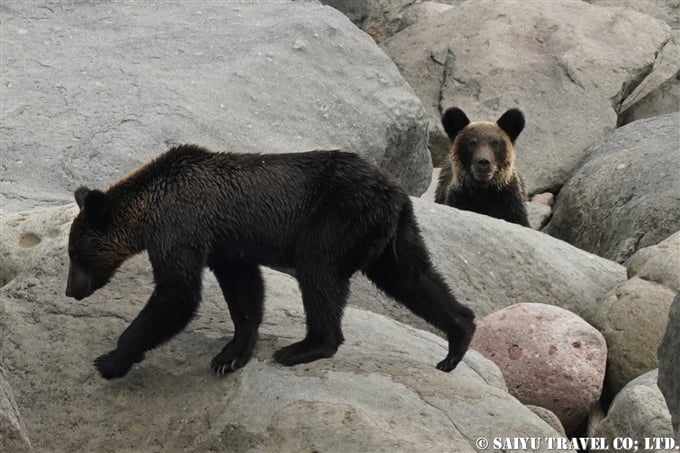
(512,123)
(80,194)
(453,120)
(97,207)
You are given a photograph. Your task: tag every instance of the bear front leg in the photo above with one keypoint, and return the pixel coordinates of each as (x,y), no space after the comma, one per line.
(243,289)
(169,309)
(515,209)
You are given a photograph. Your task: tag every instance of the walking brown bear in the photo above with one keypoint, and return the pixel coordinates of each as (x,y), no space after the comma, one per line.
(327,214)
(480,173)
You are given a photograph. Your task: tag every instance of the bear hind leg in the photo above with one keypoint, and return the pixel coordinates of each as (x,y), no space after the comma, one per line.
(243,289)
(324,295)
(406,274)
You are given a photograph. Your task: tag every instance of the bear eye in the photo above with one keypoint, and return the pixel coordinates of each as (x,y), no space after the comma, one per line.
(472,143)
(495,143)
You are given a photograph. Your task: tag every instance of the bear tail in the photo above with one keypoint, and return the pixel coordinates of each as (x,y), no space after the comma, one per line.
(405,272)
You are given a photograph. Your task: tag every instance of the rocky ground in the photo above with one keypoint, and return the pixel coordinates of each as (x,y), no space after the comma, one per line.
(578,323)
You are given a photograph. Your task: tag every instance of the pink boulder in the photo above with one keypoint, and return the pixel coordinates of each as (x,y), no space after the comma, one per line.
(549,357)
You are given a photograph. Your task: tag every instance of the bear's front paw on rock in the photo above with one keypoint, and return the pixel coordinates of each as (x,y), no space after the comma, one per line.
(114,365)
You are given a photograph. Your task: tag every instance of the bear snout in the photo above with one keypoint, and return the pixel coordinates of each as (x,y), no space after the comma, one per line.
(77,295)
(483,169)
(483,166)
(79,284)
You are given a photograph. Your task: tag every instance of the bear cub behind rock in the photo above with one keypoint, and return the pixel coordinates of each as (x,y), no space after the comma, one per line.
(324,214)
(480,173)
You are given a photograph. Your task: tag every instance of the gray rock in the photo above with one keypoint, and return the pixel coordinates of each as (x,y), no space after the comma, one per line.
(549,417)
(80,108)
(383,18)
(658,263)
(546,198)
(632,319)
(13,436)
(25,238)
(638,411)
(356,10)
(669,366)
(491,264)
(561,62)
(429,193)
(633,316)
(596,416)
(380,392)
(626,193)
(667,10)
(539,214)
(659,91)
(423,10)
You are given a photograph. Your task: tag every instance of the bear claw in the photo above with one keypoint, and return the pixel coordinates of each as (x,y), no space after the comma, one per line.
(221,366)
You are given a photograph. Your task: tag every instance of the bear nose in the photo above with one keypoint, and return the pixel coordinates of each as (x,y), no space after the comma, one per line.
(484,164)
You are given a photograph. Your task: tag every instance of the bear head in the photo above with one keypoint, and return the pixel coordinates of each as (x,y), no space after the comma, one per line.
(94,253)
(482,152)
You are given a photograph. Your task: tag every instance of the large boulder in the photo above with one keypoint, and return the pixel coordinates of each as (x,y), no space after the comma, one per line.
(632,318)
(625,195)
(669,366)
(561,62)
(88,93)
(549,357)
(658,263)
(491,264)
(659,91)
(380,392)
(638,412)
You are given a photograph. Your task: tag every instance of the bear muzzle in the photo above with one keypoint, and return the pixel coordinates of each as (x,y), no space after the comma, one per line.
(79,284)
(483,170)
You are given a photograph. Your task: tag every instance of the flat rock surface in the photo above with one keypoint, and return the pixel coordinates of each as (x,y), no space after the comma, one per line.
(381,392)
(91,89)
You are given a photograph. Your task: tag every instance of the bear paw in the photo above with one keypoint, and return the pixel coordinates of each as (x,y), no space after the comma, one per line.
(449,363)
(114,365)
(304,351)
(231,358)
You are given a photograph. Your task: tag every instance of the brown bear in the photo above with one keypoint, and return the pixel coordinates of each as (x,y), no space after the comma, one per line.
(325,214)
(480,173)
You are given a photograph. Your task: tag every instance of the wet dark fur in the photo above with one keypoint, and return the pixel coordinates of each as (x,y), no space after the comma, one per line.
(503,197)
(324,214)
